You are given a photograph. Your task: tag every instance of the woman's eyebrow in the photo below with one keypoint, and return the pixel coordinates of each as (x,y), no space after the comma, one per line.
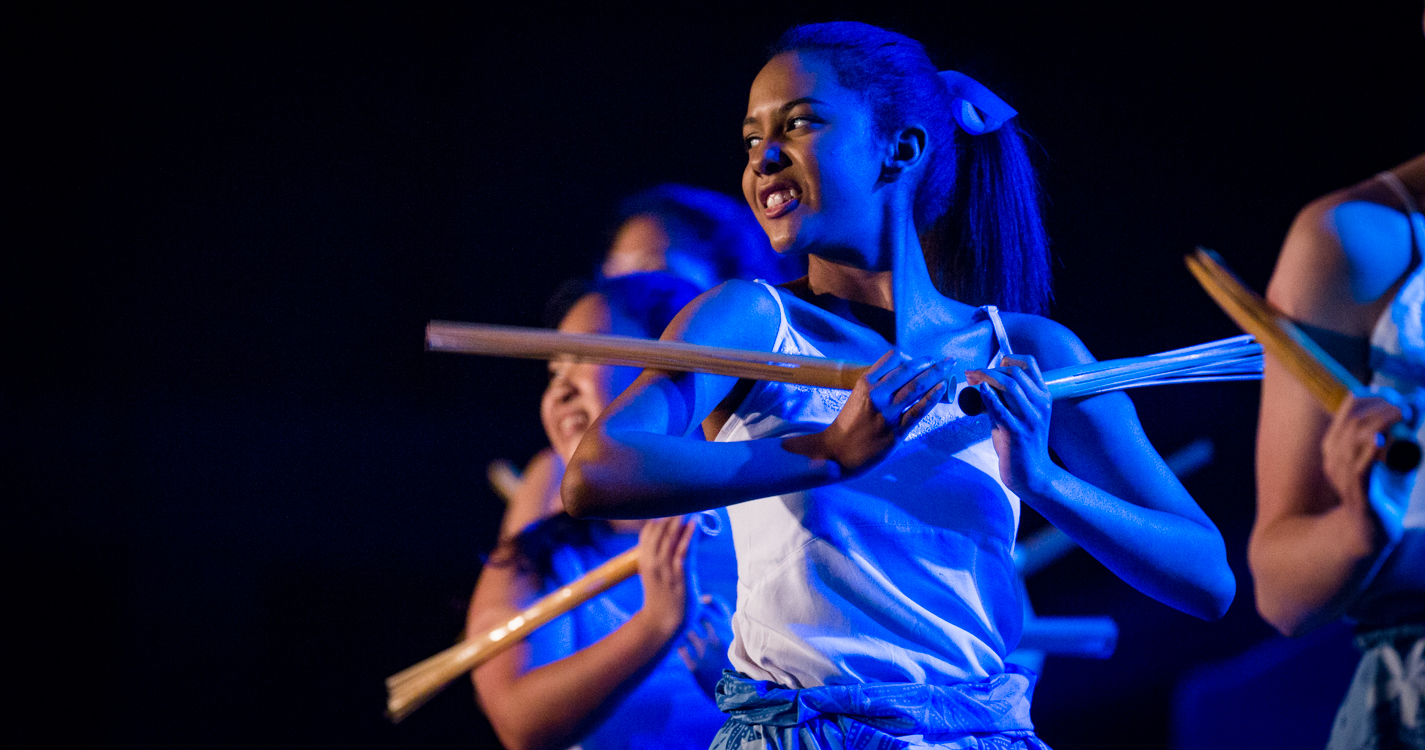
(804,100)
(750,120)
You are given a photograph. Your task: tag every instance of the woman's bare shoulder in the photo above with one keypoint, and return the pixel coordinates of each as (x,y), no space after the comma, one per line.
(736,314)
(1344,252)
(1048,341)
(535,498)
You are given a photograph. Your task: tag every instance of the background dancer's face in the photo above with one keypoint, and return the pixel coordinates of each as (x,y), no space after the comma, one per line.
(813,161)
(577,392)
(640,245)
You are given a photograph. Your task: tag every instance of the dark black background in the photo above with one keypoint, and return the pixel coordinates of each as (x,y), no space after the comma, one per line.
(240,494)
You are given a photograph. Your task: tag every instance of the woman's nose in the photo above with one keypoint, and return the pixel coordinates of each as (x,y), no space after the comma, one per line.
(768,158)
(560,389)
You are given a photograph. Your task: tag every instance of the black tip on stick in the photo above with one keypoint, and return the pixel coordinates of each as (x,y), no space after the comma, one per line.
(971,402)
(1402,456)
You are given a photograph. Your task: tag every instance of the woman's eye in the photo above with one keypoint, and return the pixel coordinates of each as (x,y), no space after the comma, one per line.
(750,142)
(798,122)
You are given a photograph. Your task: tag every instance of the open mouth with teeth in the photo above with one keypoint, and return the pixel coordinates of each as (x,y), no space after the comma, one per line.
(565,427)
(572,426)
(779,200)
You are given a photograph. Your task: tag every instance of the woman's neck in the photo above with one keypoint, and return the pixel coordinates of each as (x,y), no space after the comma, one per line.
(922,313)
(850,283)
(862,272)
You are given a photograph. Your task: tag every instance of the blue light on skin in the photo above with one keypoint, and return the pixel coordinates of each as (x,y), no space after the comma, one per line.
(1376,241)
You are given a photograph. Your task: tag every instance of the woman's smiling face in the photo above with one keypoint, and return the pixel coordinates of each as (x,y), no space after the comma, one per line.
(577,392)
(814,160)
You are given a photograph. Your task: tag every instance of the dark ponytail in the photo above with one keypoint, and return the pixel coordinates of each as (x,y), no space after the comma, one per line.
(989,246)
(977,207)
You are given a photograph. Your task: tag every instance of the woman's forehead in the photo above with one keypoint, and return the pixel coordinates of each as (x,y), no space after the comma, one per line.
(591,314)
(795,75)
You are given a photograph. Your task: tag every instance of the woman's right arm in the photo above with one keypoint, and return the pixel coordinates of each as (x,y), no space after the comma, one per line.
(646,456)
(552,706)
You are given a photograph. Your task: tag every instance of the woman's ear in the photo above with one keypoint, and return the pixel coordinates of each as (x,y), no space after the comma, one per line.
(905,150)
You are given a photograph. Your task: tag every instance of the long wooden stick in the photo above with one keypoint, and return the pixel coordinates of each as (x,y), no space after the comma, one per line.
(539,343)
(1322,376)
(410,688)
(1230,359)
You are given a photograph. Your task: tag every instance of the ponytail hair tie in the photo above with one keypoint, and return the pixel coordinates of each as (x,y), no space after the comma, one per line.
(975,108)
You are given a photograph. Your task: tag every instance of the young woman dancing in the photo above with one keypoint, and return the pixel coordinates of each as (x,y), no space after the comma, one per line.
(876,590)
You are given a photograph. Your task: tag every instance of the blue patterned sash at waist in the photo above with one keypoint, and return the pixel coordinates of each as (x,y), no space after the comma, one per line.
(997,704)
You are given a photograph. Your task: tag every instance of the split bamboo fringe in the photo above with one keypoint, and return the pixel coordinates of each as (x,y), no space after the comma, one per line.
(1236,358)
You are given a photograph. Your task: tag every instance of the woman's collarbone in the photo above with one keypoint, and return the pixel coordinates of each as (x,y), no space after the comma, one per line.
(838,338)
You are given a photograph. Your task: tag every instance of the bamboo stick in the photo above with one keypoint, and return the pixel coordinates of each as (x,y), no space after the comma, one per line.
(1319,373)
(410,688)
(1230,359)
(537,343)
(1236,358)
(504,479)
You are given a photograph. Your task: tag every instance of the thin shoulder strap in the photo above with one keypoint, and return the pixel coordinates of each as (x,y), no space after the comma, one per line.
(1001,337)
(1412,213)
(785,327)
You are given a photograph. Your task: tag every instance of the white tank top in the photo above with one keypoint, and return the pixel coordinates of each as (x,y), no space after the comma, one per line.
(902,575)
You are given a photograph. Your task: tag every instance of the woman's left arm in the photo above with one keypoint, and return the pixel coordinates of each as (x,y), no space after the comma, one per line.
(1114,495)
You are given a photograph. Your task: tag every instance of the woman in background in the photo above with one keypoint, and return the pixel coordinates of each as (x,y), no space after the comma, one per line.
(606,675)
(1337,534)
(694,233)
(701,235)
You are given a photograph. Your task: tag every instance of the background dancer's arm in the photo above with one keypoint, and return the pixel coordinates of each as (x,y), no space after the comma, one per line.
(1114,495)
(1316,538)
(648,455)
(552,706)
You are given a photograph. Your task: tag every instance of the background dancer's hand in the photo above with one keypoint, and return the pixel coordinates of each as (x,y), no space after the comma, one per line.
(1352,445)
(886,402)
(1020,407)
(662,554)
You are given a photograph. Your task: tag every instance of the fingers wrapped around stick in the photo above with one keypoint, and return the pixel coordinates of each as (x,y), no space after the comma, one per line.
(1018,402)
(904,389)
(1355,440)
(883,406)
(1014,391)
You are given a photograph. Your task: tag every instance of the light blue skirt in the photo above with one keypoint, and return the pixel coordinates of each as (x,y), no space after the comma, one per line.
(988,715)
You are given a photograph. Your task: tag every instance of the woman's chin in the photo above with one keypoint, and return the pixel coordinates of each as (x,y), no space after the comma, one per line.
(567,448)
(563,445)
(788,242)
